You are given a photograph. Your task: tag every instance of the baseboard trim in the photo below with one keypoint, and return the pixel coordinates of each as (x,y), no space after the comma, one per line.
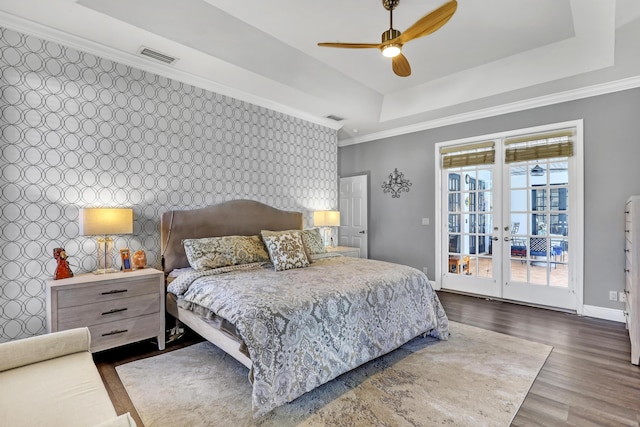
(587,310)
(603,313)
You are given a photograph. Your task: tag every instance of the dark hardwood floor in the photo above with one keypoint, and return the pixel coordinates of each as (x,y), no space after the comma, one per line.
(587,380)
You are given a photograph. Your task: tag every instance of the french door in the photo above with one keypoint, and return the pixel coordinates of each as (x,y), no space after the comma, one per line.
(469,239)
(510,214)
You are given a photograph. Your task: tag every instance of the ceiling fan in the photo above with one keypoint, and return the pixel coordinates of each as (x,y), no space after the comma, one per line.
(393,40)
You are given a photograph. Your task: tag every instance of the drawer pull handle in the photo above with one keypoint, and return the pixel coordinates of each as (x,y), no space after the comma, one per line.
(115,291)
(115,310)
(122,331)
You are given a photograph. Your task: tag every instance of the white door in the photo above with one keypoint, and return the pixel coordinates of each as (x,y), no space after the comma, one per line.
(353,213)
(511,214)
(470,233)
(539,245)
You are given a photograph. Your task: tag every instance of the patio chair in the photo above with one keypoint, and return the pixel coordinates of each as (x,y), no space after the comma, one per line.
(538,247)
(518,244)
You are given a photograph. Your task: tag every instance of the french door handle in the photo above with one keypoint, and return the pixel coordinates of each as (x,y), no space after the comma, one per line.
(506,239)
(495,239)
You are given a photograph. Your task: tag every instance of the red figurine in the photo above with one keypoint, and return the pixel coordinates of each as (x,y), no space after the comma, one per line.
(63,271)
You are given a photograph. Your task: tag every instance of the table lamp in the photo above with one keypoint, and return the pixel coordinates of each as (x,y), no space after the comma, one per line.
(105,222)
(326,220)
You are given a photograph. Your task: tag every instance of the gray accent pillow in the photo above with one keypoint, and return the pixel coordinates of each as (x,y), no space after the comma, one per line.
(312,241)
(216,252)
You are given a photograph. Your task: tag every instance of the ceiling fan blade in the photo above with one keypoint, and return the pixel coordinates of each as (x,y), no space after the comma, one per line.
(429,23)
(401,66)
(352,45)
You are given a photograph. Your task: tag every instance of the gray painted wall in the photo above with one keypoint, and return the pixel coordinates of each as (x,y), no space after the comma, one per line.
(612,174)
(78,131)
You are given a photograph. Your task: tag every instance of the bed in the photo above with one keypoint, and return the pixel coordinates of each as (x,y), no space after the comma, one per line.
(298,327)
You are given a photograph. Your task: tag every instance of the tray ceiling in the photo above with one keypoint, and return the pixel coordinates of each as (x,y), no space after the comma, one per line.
(490,54)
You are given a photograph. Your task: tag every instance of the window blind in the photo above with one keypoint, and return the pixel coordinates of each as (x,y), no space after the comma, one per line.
(546,145)
(480,153)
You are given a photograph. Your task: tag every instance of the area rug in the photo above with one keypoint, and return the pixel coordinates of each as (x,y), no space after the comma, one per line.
(477,378)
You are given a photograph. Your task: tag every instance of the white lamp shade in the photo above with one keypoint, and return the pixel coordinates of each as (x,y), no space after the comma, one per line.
(326,218)
(106,221)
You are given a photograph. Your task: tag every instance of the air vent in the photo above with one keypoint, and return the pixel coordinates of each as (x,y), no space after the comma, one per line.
(334,117)
(145,51)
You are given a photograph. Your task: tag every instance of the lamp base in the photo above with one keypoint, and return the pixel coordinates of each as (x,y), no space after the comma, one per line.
(325,237)
(105,256)
(106,271)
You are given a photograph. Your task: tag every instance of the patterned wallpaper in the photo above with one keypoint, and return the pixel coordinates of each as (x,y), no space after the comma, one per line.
(81,131)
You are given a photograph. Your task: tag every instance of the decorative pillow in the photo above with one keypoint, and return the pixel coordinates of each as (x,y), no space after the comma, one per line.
(216,252)
(312,241)
(286,249)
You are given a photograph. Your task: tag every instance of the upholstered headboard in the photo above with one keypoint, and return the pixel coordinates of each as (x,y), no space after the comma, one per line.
(236,217)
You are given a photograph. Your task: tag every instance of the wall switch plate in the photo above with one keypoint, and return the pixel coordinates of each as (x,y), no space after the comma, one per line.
(613,296)
(425,221)
(622,296)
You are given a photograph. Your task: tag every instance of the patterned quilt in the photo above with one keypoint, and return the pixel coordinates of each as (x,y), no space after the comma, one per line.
(304,327)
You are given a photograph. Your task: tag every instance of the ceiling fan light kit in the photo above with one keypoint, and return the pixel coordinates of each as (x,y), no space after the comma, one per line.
(389,48)
(393,40)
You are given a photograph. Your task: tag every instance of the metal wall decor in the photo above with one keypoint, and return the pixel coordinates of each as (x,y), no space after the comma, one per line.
(396,184)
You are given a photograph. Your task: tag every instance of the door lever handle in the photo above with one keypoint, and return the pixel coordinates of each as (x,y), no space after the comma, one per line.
(506,239)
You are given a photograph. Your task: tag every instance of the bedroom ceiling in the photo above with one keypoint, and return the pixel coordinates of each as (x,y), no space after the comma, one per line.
(491,53)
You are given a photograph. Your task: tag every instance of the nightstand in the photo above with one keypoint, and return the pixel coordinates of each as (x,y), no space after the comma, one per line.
(345,250)
(118,308)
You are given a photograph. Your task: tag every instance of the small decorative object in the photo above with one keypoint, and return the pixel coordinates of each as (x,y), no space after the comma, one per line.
(126,259)
(139,259)
(63,271)
(537,170)
(396,184)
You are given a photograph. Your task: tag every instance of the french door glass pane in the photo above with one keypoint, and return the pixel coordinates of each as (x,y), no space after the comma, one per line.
(539,222)
(470,212)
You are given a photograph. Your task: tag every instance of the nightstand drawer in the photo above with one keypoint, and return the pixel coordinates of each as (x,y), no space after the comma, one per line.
(108,311)
(345,251)
(113,334)
(354,253)
(106,292)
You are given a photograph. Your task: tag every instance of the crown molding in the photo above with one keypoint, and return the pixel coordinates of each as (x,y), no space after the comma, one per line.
(527,104)
(41,31)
